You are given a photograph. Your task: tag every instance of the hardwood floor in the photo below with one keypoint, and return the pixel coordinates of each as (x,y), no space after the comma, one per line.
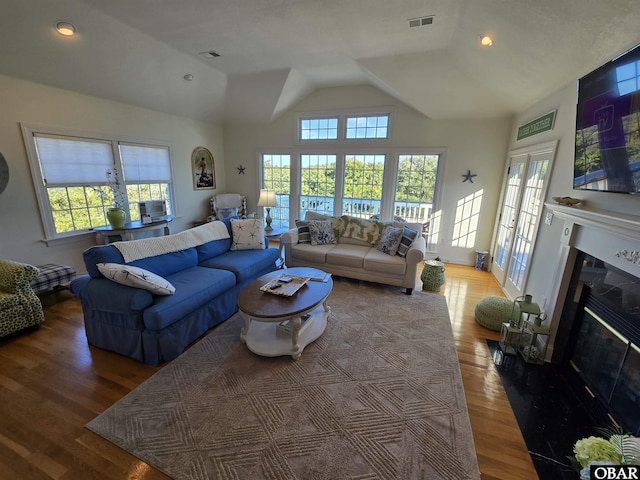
(52,383)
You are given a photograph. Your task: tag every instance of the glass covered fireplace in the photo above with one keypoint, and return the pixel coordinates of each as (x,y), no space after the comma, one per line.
(600,334)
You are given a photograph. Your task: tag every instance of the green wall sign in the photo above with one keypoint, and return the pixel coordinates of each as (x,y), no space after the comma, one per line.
(539,125)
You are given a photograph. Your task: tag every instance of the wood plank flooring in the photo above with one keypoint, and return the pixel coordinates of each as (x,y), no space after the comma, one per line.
(52,383)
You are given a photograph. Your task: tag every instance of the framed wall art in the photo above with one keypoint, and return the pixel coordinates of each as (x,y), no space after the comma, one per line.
(202,166)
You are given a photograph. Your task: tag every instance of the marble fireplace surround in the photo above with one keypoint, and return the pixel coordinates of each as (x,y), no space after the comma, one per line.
(609,236)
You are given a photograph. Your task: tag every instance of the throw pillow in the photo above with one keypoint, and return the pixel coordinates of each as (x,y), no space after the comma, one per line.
(223,213)
(361,229)
(338,223)
(303,231)
(136,277)
(247,234)
(406,239)
(389,240)
(321,232)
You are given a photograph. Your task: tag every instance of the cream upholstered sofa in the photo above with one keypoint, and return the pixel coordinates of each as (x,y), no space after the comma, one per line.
(356,253)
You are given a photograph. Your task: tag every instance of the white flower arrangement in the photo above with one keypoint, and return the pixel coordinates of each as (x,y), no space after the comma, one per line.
(119,197)
(618,449)
(113,183)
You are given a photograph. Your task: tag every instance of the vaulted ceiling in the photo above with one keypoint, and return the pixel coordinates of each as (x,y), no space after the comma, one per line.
(275,52)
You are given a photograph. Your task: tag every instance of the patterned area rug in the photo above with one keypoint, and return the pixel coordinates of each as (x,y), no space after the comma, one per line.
(378,396)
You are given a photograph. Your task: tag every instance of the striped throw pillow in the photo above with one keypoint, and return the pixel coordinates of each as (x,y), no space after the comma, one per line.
(407,238)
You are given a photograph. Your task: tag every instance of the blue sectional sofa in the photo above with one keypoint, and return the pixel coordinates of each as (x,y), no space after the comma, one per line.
(150,328)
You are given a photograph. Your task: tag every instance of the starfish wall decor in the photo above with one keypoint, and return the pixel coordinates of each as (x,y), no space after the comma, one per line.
(241,170)
(468,176)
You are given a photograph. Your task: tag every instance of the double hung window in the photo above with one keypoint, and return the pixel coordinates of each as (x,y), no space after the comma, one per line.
(78,178)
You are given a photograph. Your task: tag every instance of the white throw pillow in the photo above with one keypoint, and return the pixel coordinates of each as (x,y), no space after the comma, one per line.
(136,277)
(247,234)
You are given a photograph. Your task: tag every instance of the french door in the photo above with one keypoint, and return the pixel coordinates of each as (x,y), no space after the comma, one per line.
(519,218)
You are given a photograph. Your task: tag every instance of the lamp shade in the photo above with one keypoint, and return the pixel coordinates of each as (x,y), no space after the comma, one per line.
(267,198)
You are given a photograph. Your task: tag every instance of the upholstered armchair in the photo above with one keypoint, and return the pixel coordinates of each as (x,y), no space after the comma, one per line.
(226,205)
(19,305)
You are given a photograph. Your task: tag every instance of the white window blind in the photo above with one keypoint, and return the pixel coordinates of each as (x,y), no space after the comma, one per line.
(146,164)
(66,161)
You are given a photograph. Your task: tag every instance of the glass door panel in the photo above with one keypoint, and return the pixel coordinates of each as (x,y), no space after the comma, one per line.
(508,217)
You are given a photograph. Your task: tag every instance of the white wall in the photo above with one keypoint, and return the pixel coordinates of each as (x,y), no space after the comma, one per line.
(561,185)
(476,145)
(22,233)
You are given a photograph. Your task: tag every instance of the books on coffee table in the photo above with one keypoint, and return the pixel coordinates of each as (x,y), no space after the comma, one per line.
(285,285)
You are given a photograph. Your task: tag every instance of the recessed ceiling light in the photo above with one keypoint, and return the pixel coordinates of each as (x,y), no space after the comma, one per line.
(486,40)
(188,77)
(65,28)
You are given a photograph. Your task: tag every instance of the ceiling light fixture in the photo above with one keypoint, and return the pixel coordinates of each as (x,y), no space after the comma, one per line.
(65,28)
(486,40)
(210,54)
(188,77)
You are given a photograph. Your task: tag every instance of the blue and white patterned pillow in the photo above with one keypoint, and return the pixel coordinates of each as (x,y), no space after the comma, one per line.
(321,232)
(223,213)
(389,240)
(407,238)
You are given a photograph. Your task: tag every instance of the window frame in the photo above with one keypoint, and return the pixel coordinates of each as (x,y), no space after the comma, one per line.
(342,140)
(41,190)
(392,156)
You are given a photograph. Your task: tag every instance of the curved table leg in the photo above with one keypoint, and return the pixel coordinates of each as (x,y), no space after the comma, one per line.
(295,330)
(245,328)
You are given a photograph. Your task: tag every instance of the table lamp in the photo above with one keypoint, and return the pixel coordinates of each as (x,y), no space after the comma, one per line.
(267,199)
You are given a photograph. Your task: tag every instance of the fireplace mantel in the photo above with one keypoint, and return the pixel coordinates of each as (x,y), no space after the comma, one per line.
(612,237)
(618,223)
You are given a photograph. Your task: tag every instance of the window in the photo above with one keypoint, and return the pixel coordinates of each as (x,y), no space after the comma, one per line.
(415,186)
(341,127)
(627,78)
(73,176)
(276,175)
(372,126)
(319,128)
(362,193)
(318,183)
(147,175)
(359,172)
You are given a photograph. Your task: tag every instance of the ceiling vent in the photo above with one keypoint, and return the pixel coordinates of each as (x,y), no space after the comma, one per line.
(211,54)
(421,21)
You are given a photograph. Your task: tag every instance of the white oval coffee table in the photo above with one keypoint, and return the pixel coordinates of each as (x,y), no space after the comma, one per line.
(262,312)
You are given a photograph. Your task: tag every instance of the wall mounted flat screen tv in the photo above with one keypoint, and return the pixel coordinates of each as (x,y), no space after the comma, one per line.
(607,150)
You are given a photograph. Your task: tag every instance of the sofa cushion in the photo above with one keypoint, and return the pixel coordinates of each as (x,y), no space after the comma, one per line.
(136,277)
(222,213)
(212,249)
(389,240)
(92,256)
(245,264)
(376,261)
(308,253)
(347,255)
(168,263)
(194,287)
(247,234)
